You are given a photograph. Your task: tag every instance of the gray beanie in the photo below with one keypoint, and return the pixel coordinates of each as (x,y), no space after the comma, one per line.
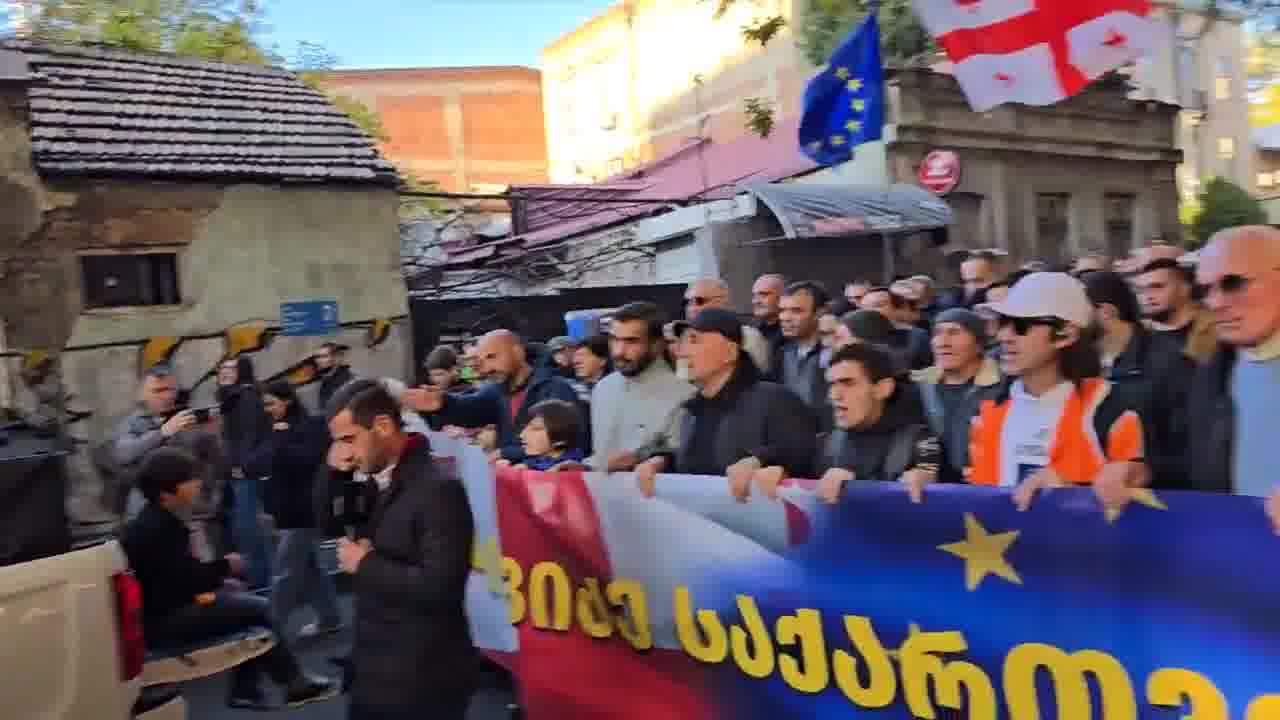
(967,319)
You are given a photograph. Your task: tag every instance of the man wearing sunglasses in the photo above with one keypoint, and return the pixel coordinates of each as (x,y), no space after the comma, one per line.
(1058,423)
(1235,396)
(709,293)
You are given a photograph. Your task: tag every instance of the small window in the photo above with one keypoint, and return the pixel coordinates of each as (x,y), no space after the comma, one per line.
(1052,225)
(1222,88)
(130,280)
(1226,148)
(1265,180)
(1119,217)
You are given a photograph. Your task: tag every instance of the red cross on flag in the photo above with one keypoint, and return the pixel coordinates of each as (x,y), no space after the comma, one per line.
(1036,52)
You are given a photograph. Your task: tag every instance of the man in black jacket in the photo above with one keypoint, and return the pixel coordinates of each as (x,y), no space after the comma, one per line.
(1152,370)
(737,425)
(413,656)
(187,601)
(334,372)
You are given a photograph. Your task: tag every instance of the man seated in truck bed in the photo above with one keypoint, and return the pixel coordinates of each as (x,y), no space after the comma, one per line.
(187,601)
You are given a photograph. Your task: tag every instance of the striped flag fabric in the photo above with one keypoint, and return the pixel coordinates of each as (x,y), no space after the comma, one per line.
(593,526)
(1036,52)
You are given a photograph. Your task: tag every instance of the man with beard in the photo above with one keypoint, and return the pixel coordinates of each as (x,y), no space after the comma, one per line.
(413,656)
(636,406)
(504,403)
(798,363)
(1165,291)
(334,371)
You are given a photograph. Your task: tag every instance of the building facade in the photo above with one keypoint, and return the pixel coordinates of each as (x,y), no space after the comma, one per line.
(617,96)
(162,209)
(475,129)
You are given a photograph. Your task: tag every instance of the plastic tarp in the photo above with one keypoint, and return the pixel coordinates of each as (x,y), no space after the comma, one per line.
(823,210)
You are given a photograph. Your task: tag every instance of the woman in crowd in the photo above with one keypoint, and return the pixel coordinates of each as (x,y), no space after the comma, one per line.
(292,456)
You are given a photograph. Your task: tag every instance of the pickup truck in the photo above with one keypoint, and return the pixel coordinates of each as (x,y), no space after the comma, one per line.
(70,617)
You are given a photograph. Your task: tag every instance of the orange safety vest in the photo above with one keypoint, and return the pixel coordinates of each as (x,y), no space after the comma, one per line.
(1093,414)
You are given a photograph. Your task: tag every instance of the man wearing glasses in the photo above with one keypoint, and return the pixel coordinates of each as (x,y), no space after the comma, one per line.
(1058,423)
(714,293)
(1235,396)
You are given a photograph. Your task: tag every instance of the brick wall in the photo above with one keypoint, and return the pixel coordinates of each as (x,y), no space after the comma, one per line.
(459,127)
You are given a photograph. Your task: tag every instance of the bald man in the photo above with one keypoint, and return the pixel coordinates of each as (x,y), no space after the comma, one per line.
(1236,395)
(714,293)
(514,386)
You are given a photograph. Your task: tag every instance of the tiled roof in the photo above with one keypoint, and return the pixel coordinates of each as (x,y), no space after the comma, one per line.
(699,170)
(98,111)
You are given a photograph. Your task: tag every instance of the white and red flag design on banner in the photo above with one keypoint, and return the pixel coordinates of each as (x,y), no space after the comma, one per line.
(1035,52)
(596,525)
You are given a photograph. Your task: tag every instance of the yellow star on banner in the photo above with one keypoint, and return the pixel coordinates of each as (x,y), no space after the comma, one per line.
(853,126)
(1142,496)
(842,73)
(837,140)
(983,553)
(858,105)
(854,85)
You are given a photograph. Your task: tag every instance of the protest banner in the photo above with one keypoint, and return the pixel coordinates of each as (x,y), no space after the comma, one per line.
(692,605)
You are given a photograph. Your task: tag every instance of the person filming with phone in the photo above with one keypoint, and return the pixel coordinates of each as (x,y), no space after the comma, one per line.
(154,424)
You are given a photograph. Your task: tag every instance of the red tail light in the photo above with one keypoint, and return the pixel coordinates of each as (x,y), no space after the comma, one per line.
(133,648)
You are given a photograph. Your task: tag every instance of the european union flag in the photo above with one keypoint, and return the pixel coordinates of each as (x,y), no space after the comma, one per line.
(844,104)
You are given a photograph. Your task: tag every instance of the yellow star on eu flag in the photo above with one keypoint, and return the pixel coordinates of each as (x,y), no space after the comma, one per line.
(858,105)
(842,73)
(854,85)
(837,140)
(1142,496)
(853,126)
(983,553)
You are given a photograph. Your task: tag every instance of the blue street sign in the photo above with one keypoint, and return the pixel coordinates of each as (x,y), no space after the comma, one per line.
(309,318)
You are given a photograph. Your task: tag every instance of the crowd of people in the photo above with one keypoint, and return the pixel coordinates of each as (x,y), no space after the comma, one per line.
(1155,371)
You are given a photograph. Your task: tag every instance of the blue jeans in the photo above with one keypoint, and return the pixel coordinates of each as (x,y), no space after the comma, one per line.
(247,534)
(302,580)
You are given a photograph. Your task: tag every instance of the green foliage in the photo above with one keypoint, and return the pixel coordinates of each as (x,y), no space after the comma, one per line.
(826,23)
(760,115)
(1224,204)
(419,208)
(764,30)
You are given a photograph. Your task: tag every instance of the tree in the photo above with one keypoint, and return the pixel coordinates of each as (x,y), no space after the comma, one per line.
(222,30)
(1223,204)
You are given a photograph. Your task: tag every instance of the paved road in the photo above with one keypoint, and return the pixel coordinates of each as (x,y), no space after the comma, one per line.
(206,700)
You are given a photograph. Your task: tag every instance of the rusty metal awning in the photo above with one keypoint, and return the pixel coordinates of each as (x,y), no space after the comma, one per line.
(811,210)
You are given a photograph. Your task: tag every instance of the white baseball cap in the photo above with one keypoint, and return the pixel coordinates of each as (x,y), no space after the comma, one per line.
(1047,294)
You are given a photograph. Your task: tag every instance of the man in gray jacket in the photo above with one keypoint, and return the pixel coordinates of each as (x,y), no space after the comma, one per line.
(636,408)
(152,425)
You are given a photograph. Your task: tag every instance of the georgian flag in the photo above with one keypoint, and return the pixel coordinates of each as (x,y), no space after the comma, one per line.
(598,525)
(1035,52)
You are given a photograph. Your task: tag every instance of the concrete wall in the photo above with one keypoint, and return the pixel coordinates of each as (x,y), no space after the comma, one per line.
(460,127)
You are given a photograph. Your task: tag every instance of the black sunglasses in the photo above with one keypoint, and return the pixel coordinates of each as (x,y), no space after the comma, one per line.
(697,300)
(1227,285)
(1023,325)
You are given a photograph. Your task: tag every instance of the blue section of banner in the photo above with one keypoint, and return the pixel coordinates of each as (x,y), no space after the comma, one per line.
(1189,586)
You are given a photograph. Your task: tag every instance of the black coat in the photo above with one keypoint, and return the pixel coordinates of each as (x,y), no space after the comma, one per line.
(244,421)
(291,458)
(158,544)
(1155,373)
(330,384)
(749,417)
(1211,415)
(413,647)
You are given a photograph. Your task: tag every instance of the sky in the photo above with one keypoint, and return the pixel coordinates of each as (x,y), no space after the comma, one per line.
(427,33)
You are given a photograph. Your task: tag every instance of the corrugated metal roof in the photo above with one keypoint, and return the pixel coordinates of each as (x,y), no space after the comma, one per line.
(699,170)
(98,111)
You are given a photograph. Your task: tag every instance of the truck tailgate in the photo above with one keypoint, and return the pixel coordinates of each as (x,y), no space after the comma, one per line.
(58,621)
